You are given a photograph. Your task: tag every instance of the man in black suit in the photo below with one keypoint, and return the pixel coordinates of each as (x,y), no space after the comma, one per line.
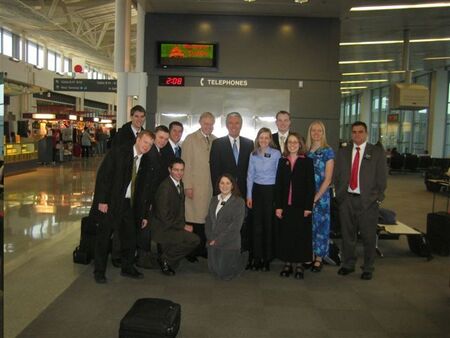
(175,134)
(161,153)
(127,134)
(122,201)
(283,123)
(168,225)
(230,154)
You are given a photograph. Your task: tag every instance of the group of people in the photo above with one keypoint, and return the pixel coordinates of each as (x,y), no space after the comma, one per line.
(236,202)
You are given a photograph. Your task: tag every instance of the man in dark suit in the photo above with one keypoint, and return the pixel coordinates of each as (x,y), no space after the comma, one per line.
(168,225)
(128,132)
(122,201)
(283,123)
(230,154)
(175,134)
(360,180)
(161,153)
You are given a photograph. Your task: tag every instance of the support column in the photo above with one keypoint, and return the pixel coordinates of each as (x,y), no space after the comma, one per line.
(437,113)
(140,36)
(119,61)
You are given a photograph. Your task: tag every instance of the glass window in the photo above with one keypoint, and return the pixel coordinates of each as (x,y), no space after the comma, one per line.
(40,56)
(58,63)
(32,53)
(7,43)
(51,60)
(67,65)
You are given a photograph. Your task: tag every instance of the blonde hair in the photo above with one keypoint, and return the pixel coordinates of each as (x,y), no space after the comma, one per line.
(323,141)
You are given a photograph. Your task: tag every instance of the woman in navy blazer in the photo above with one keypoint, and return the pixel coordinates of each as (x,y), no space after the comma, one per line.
(223,231)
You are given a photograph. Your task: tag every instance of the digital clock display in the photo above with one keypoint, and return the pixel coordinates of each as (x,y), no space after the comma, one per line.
(172,81)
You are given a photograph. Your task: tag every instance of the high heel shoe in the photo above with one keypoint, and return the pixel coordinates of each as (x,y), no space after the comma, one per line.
(299,272)
(287,271)
(317,266)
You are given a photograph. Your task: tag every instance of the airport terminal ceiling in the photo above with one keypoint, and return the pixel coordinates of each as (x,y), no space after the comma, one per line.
(87,27)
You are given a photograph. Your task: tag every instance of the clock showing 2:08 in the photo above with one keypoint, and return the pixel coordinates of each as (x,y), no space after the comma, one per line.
(171,81)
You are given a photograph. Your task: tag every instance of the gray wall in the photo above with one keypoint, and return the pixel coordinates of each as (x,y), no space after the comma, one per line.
(276,51)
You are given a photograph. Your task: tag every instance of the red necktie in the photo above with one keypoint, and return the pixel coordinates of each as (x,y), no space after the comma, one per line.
(355,169)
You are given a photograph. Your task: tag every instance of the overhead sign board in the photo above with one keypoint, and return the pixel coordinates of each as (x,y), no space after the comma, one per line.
(84,85)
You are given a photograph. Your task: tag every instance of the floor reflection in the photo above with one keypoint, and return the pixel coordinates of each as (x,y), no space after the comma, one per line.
(41,204)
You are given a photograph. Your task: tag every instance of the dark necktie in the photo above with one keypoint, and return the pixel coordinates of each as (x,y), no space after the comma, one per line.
(133,177)
(207,142)
(179,189)
(355,171)
(177,152)
(235,151)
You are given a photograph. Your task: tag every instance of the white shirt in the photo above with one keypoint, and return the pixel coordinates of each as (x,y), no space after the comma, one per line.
(138,162)
(238,144)
(362,147)
(135,131)
(221,201)
(177,183)
(174,145)
(280,135)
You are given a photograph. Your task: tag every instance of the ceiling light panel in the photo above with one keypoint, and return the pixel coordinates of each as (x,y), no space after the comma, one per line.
(364,81)
(397,7)
(348,62)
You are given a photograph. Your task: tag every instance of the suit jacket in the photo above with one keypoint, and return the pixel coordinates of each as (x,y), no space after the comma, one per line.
(167,211)
(221,161)
(113,178)
(124,136)
(276,140)
(225,228)
(302,180)
(168,151)
(197,175)
(372,174)
(161,160)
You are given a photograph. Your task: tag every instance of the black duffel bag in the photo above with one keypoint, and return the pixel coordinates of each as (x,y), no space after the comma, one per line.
(151,318)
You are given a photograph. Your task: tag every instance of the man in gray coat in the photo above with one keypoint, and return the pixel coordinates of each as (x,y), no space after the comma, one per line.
(360,180)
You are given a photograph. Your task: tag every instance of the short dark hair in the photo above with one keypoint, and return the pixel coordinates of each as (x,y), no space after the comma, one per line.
(235,190)
(283,112)
(175,161)
(137,108)
(175,123)
(359,123)
(162,128)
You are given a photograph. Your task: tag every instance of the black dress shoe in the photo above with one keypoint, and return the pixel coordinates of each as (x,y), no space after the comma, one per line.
(131,273)
(116,262)
(192,259)
(287,271)
(165,268)
(366,275)
(265,266)
(257,265)
(100,278)
(345,271)
(299,273)
(307,265)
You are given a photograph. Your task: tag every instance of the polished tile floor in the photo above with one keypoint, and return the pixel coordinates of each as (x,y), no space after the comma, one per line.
(46,295)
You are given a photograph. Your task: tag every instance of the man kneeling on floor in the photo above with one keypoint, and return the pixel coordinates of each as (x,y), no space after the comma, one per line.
(168,225)
(121,176)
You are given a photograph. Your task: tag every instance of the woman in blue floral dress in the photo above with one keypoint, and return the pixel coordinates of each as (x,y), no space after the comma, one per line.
(323,158)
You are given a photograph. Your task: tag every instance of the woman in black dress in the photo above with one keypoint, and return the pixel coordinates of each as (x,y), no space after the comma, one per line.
(294,197)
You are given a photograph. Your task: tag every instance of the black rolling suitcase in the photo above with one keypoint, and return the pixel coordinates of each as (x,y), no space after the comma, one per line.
(84,253)
(151,318)
(438,232)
